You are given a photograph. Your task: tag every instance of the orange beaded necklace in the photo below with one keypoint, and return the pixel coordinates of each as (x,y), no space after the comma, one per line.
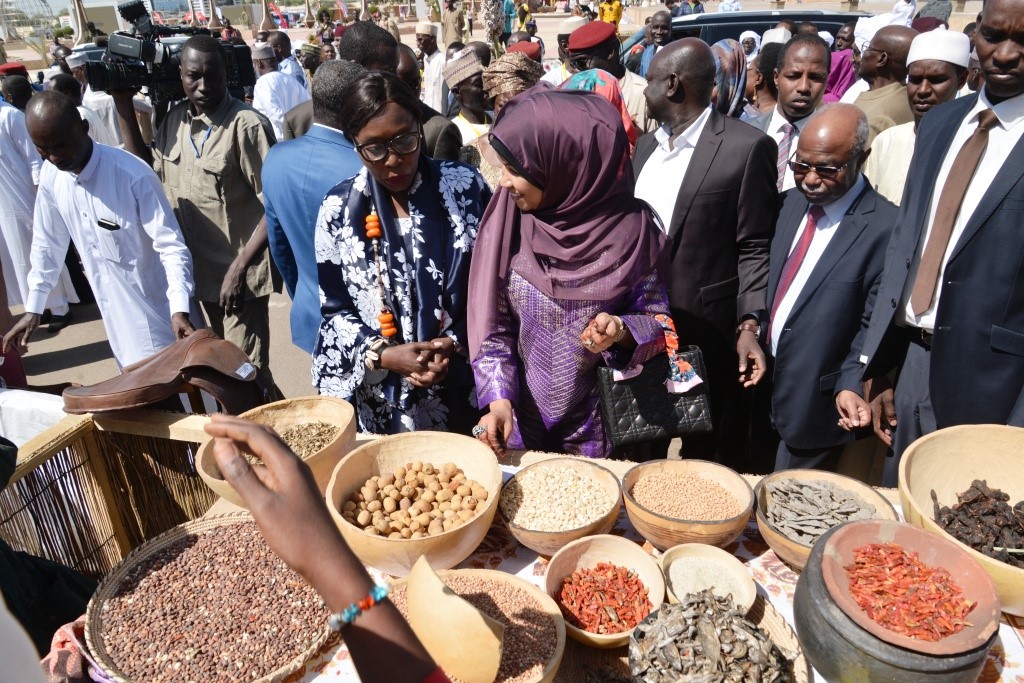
(386,318)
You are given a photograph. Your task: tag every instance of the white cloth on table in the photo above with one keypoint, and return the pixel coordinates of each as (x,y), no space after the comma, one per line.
(433,81)
(140,272)
(25,415)
(274,95)
(19,176)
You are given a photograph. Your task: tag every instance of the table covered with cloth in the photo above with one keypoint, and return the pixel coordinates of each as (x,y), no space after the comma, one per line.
(775,580)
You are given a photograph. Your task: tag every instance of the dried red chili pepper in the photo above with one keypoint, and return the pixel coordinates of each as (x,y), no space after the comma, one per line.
(603,600)
(904,595)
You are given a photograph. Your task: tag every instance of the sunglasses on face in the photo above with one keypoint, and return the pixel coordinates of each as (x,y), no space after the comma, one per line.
(402,145)
(825,172)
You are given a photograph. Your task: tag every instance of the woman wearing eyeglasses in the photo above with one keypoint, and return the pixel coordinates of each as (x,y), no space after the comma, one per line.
(392,248)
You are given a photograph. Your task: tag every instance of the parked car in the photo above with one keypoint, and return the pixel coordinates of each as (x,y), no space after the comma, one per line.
(719,25)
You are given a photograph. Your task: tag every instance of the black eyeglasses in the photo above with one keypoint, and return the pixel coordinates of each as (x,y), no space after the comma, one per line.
(580,63)
(826,172)
(401,145)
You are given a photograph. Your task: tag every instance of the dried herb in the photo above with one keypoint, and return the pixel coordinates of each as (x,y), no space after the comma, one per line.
(804,510)
(603,600)
(704,638)
(983,519)
(905,595)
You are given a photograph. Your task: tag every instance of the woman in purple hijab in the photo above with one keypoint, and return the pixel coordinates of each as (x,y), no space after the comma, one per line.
(841,75)
(564,274)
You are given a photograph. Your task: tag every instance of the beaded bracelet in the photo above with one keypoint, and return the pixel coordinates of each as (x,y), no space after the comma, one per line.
(340,620)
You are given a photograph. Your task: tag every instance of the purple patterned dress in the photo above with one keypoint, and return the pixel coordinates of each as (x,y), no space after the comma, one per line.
(534,358)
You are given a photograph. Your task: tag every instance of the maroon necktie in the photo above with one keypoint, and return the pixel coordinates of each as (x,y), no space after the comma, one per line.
(953,191)
(795,260)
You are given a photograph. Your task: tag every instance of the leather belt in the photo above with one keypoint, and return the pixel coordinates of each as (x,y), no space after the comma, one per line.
(920,336)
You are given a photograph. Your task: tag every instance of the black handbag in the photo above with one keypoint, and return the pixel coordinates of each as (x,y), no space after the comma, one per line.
(641,409)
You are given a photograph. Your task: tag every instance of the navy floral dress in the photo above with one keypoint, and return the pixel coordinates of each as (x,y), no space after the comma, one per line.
(425,271)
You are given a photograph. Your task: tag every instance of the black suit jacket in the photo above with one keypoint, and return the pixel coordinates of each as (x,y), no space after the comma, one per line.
(441,137)
(820,345)
(721,229)
(977,356)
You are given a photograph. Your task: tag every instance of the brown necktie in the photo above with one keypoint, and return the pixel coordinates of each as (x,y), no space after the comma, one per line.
(946,212)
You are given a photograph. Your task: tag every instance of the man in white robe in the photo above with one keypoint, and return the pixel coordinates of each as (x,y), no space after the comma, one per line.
(111,204)
(276,93)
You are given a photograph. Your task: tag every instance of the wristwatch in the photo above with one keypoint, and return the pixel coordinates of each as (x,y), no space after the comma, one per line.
(374,353)
(749,325)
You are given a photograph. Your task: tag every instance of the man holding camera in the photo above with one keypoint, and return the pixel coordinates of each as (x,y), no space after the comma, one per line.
(208,152)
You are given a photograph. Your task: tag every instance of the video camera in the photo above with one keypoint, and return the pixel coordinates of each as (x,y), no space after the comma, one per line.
(139,59)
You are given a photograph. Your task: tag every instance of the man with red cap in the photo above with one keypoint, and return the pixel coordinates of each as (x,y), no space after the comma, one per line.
(596,46)
(531,50)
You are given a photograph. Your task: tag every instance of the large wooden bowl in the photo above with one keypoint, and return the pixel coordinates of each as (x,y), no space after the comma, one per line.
(665,532)
(789,551)
(281,416)
(725,564)
(547,543)
(548,605)
(397,556)
(585,554)
(947,461)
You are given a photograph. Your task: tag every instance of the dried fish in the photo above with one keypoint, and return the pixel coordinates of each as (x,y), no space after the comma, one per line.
(983,519)
(803,510)
(704,639)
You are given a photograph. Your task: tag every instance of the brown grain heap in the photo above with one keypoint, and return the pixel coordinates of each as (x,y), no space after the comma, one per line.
(215,607)
(305,439)
(686,496)
(530,633)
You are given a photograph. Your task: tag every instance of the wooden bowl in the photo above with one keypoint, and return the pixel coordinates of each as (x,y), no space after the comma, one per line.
(789,551)
(947,461)
(744,590)
(548,605)
(397,556)
(585,554)
(665,532)
(932,550)
(547,543)
(108,588)
(281,416)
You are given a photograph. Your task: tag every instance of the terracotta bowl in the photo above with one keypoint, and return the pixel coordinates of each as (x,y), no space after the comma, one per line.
(397,556)
(282,415)
(947,461)
(725,564)
(789,551)
(547,604)
(933,551)
(547,543)
(665,532)
(586,553)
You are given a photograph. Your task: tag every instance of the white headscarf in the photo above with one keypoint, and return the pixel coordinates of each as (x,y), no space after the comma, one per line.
(752,57)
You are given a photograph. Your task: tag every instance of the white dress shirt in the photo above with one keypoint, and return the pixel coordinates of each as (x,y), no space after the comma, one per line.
(140,272)
(472,131)
(557,76)
(662,175)
(274,95)
(433,81)
(1002,138)
(823,234)
(289,65)
(776,133)
(854,91)
(20,164)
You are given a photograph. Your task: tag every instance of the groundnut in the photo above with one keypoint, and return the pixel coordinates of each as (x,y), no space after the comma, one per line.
(390,505)
(463,490)
(373,505)
(428,496)
(349,506)
(363,518)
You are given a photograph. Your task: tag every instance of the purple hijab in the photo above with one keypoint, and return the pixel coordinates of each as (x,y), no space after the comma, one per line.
(590,239)
(841,76)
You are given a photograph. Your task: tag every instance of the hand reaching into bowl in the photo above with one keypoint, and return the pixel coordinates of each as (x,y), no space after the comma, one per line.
(293,518)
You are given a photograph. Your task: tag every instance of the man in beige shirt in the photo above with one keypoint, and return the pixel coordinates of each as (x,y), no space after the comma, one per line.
(208,152)
(883,64)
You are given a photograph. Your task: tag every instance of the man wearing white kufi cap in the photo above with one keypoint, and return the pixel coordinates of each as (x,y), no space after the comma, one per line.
(937,69)
(276,92)
(560,74)
(433,63)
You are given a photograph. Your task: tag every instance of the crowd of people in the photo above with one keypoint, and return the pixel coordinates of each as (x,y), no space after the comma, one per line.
(467,236)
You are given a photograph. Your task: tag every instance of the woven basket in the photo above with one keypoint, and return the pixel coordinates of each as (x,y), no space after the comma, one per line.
(108,589)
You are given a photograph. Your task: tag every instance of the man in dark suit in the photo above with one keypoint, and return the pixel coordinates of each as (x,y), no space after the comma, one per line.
(826,259)
(711,180)
(950,308)
(295,182)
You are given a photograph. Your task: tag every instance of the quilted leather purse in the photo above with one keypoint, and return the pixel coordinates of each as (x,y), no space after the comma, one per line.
(641,409)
